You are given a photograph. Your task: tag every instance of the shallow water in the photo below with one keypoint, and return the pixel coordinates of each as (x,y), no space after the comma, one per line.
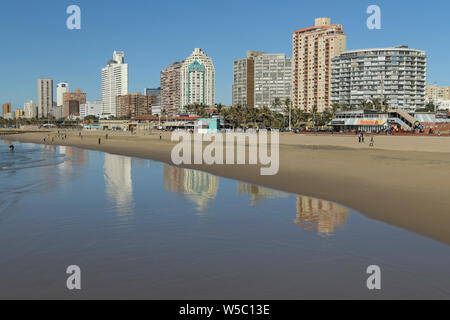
(142,229)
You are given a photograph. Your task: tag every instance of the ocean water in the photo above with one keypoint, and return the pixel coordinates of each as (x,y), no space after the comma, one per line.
(143,229)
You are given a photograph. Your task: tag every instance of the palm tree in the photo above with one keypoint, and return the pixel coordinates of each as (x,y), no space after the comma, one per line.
(376,103)
(219,108)
(266,116)
(276,104)
(366,105)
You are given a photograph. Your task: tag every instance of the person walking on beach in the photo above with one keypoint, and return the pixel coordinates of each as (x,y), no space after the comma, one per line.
(99,140)
(106,137)
(160,136)
(372,142)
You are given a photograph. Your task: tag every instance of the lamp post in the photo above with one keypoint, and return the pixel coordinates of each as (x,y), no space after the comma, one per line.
(290,115)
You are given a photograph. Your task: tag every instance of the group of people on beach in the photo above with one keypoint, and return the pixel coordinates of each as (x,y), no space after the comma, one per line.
(63,136)
(362,139)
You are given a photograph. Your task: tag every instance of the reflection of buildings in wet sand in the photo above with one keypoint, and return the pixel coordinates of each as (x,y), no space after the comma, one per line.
(199,187)
(76,156)
(141,163)
(119,184)
(48,147)
(316,214)
(259,193)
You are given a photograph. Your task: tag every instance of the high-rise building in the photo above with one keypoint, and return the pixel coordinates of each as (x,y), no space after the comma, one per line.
(134,105)
(197,79)
(313,49)
(273,78)
(114,82)
(397,74)
(29,109)
(244,80)
(61,88)
(45,97)
(6,108)
(70,105)
(171,89)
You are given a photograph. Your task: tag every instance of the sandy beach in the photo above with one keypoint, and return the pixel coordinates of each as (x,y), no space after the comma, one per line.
(403,181)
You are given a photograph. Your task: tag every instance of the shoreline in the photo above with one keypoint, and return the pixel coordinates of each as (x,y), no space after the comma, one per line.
(407,188)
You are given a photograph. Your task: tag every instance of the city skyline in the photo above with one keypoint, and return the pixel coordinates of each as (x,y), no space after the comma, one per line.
(80,67)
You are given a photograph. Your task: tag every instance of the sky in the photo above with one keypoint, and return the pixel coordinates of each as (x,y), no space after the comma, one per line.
(35,41)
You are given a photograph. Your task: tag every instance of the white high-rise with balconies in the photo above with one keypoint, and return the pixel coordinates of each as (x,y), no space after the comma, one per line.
(396,75)
(114,83)
(197,79)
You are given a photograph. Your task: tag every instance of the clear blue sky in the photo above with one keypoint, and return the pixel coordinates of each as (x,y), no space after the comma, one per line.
(36,43)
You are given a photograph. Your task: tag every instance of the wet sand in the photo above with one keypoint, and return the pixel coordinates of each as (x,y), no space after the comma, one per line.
(403,181)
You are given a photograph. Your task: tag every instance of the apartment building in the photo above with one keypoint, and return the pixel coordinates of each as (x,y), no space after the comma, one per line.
(397,74)
(313,49)
(45,97)
(134,105)
(171,89)
(272,80)
(197,79)
(244,80)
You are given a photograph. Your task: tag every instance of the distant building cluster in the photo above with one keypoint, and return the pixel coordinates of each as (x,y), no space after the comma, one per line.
(320,74)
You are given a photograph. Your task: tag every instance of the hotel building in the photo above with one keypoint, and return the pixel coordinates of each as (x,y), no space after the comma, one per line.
(313,49)
(61,88)
(114,82)
(197,79)
(171,89)
(45,97)
(397,74)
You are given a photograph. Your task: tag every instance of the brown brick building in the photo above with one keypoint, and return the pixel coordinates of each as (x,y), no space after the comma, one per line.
(72,101)
(135,105)
(6,108)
